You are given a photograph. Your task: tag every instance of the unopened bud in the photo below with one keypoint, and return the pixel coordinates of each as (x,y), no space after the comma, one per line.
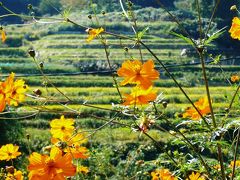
(29,6)
(103,12)
(233,8)
(1,4)
(37,92)
(126,49)
(41,65)
(28,136)
(32,53)
(130,4)
(164,103)
(89,16)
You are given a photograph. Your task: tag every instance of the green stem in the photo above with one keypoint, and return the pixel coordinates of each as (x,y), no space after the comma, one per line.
(235,155)
(220,156)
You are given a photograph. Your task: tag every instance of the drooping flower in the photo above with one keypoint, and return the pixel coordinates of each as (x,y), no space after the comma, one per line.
(235,28)
(140,96)
(15,175)
(8,152)
(93,33)
(54,167)
(162,174)
(202,105)
(134,72)
(235,78)
(12,92)
(195,176)
(62,127)
(83,169)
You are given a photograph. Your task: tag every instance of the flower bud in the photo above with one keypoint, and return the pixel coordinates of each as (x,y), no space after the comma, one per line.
(103,12)
(28,136)
(41,65)
(233,8)
(37,92)
(29,6)
(89,16)
(32,53)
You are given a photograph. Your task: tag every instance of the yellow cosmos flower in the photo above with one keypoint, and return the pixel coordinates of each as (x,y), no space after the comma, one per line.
(140,96)
(203,107)
(237,163)
(93,33)
(83,169)
(62,127)
(54,167)
(12,92)
(195,176)
(235,28)
(162,174)
(235,78)
(134,72)
(8,152)
(16,175)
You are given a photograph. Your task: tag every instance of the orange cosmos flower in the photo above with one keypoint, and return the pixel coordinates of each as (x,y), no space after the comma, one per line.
(140,96)
(54,167)
(3,35)
(16,175)
(12,92)
(134,72)
(62,127)
(235,28)
(72,145)
(9,151)
(196,176)
(77,152)
(162,174)
(93,33)
(235,78)
(203,107)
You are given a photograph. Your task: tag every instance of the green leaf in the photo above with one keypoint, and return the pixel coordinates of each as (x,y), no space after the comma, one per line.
(141,33)
(214,36)
(186,39)
(216,59)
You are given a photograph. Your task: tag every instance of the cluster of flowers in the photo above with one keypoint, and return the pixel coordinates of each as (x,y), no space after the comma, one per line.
(12,92)
(140,74)
(165,174)
(58,163)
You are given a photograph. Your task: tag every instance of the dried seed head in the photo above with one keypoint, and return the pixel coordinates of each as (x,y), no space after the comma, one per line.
(10,169)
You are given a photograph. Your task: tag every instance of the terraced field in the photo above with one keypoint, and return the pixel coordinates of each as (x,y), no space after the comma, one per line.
(80,70)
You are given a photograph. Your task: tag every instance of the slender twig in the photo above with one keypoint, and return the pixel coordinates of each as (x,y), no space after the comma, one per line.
(211,19)
(199,21)
(220,156)
(235,154)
